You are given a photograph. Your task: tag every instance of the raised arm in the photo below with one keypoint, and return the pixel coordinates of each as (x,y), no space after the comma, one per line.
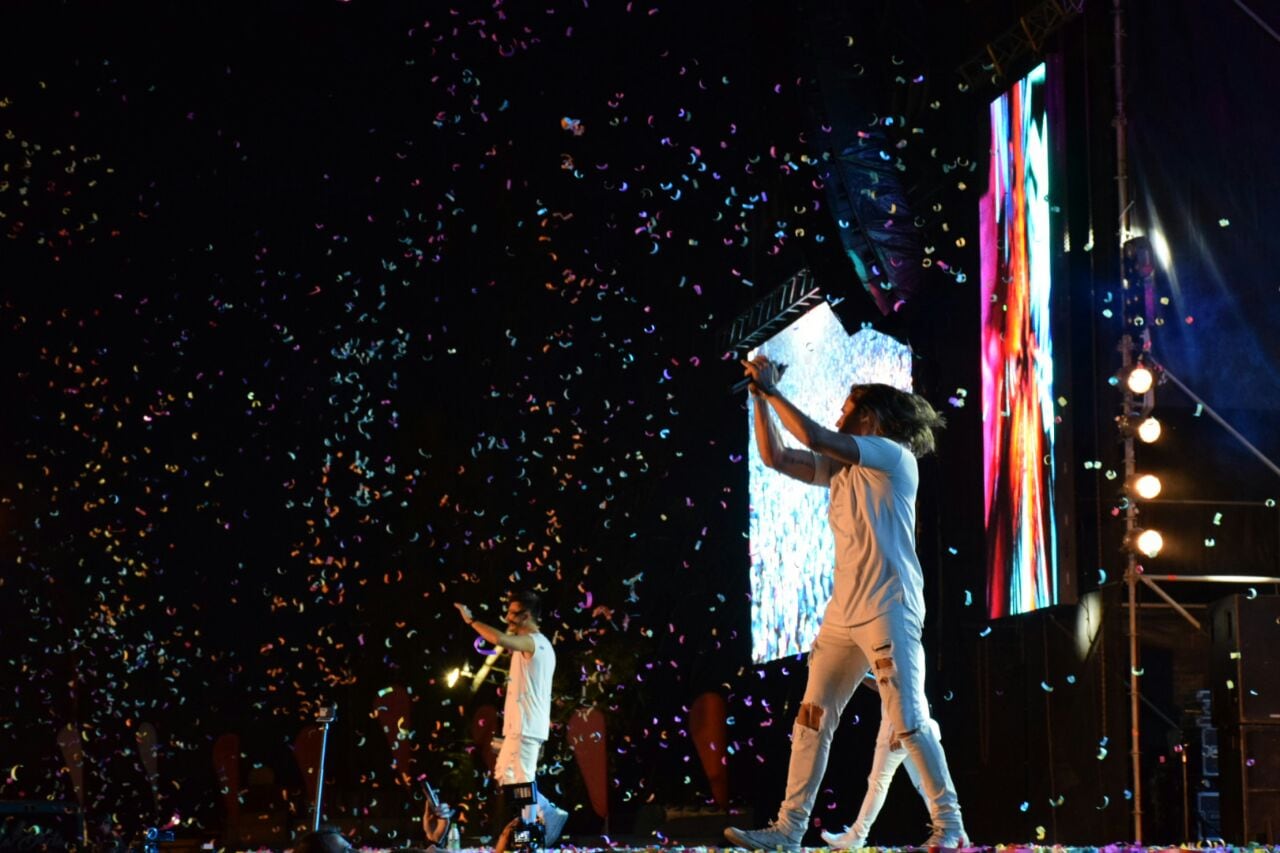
(798,464)
(436,818)
(838,446)
(494,637)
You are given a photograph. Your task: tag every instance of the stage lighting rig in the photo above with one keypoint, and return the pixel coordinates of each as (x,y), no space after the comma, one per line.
(1147,429)
(1147,543)
(1145,486)
(1138,379)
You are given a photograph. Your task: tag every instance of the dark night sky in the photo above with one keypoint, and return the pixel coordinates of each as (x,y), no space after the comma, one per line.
(322,319)
(318,317)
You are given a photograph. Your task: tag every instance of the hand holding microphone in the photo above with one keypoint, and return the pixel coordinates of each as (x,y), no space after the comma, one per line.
(761,376)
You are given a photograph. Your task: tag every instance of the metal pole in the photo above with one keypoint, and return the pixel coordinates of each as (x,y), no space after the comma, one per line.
(324,745)
(1182,611)
(1186,795)
(1241,579)
(1208,410)
(1135,754)
(1131,568)
(1132,574)
(1120,121)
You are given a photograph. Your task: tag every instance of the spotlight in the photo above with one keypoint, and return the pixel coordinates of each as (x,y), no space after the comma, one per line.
(1145,542)
(452,677)
(1146,486)
(1140,379)
(1146,428)
(1150,542)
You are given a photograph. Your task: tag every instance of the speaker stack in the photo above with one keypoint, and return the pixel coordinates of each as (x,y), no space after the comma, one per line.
(1245,669)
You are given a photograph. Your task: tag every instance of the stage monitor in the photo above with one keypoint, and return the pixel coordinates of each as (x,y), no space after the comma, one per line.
(791,549)
(1025,447)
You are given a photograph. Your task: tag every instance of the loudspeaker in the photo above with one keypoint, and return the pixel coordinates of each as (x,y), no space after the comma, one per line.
(1250,802)
(1245,660)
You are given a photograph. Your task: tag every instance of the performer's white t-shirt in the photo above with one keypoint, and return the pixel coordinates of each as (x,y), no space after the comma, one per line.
(873,519)
(527,708)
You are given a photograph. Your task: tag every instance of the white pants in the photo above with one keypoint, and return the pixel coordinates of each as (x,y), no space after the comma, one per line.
(890,646)
(518,762)
(890,754)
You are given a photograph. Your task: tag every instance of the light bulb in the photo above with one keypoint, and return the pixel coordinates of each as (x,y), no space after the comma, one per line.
(1149,543)
(1147,486)
(1140,380)
(1149,430)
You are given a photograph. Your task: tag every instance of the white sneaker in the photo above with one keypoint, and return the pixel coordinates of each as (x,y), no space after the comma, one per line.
(846,840)
(553,821)
(772,837)
(947,838)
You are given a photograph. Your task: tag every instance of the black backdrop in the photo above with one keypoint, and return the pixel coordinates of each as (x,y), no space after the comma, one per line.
(320,318)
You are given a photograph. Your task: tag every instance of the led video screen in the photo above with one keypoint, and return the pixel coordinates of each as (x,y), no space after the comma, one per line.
(791,549)
(1022,376)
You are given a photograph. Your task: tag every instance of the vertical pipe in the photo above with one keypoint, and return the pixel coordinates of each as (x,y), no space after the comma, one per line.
(324,745)
(1135,754)
(1121,121)
(1131,577)
(1131,574)
(1131,565)
(1186,797)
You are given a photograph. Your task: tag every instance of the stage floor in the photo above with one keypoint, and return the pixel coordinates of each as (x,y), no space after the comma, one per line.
(591,845)
(1014,847)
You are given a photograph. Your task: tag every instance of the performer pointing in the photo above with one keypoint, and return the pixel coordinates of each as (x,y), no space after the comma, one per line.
(526,712)
(876,612)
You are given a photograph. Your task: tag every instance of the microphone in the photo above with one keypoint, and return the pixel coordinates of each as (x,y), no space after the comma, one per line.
(745,382)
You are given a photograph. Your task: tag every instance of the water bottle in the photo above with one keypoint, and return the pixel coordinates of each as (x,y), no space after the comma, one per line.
(453,841)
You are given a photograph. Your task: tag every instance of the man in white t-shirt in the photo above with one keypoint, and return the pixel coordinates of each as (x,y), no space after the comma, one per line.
(526,711)
(876,612)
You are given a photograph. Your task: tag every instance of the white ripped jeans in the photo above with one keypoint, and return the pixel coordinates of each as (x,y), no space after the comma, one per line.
(890,646)
(890,754)
(518,762)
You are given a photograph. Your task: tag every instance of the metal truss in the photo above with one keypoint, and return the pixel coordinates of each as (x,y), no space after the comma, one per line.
(1024,39)
(774,311)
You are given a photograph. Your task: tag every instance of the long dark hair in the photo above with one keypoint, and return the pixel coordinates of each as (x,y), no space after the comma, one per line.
(904,417)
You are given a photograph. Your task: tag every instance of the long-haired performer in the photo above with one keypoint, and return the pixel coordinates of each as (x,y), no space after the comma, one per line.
(876,612)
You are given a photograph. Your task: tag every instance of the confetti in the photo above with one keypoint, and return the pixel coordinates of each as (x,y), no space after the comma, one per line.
(300,364)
